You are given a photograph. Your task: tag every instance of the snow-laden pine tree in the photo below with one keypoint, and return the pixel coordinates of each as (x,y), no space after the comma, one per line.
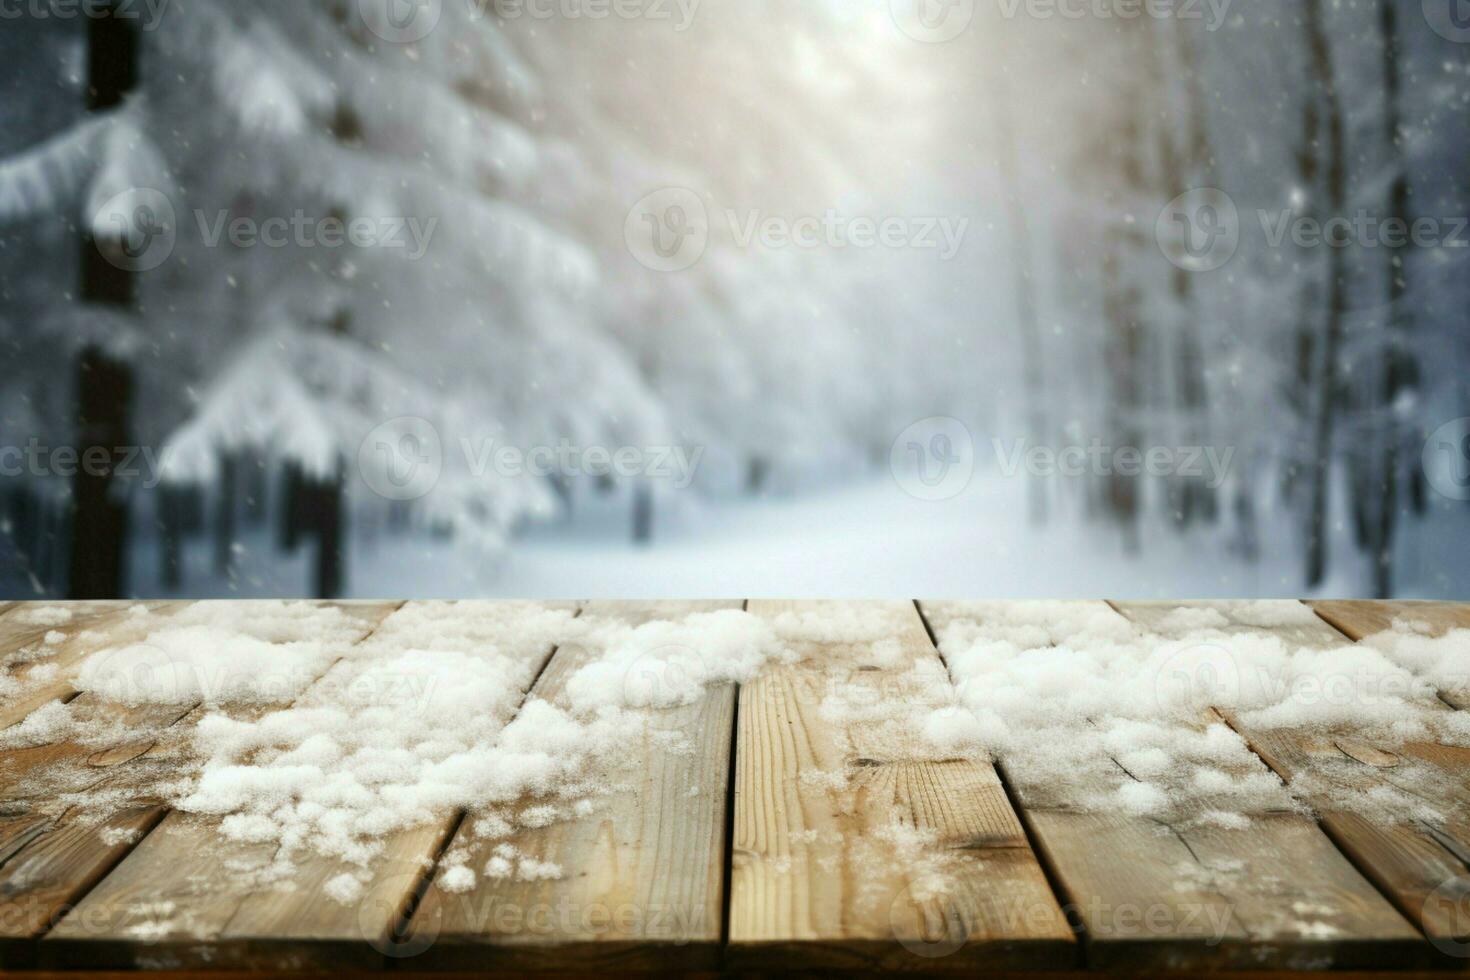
(249,354)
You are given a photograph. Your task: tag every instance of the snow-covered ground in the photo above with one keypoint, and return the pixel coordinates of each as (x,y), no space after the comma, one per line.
(866,540)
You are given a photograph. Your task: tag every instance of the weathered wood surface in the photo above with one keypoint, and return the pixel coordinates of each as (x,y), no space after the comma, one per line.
(643,874)
(1360,620)
(774,833)
(33,641)
(168,900)
(1183,895)
(845,840)
(1416,863)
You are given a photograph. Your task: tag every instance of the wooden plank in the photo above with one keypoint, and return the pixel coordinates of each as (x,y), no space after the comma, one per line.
(1359,620)
(93,626)
(643,874)
(1416,863)
(24,624)
(853,847)
(200,914)
(59,851)
(54,768)
(1184,895)
(53,863)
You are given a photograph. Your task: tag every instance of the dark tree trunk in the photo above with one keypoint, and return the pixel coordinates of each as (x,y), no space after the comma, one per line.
(1325,89)
(327,519)
(256,491)
(292,507)
(642,513)
(171,522)
(562,487)
(757,472)
(224,512)
(99,526)
(1033,368)
(1400,369)
(1186,163)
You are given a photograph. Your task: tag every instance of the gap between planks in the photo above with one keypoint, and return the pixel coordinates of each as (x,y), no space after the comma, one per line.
(1407,863)
(134,828)
(727,895)
(643,881)
(66,857)
(849,850)
(1107,864)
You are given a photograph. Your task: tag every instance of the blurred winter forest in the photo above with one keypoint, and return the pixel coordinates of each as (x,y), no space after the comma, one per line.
(734,297)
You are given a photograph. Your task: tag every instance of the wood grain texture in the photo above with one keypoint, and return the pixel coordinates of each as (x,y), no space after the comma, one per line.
(26,657)
(1416,863)
(59,849)
(306,930)
(843,843)
(129,732)
(1183,895)
(167,899)
(851,853)
(643,874)
(1358,620)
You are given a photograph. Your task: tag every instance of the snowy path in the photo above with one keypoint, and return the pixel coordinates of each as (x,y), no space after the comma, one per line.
(863,540)
(867,540)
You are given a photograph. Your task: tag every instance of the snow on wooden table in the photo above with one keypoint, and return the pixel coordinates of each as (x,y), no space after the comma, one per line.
(779,824)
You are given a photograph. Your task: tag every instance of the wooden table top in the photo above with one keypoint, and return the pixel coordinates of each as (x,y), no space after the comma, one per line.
(735,851)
